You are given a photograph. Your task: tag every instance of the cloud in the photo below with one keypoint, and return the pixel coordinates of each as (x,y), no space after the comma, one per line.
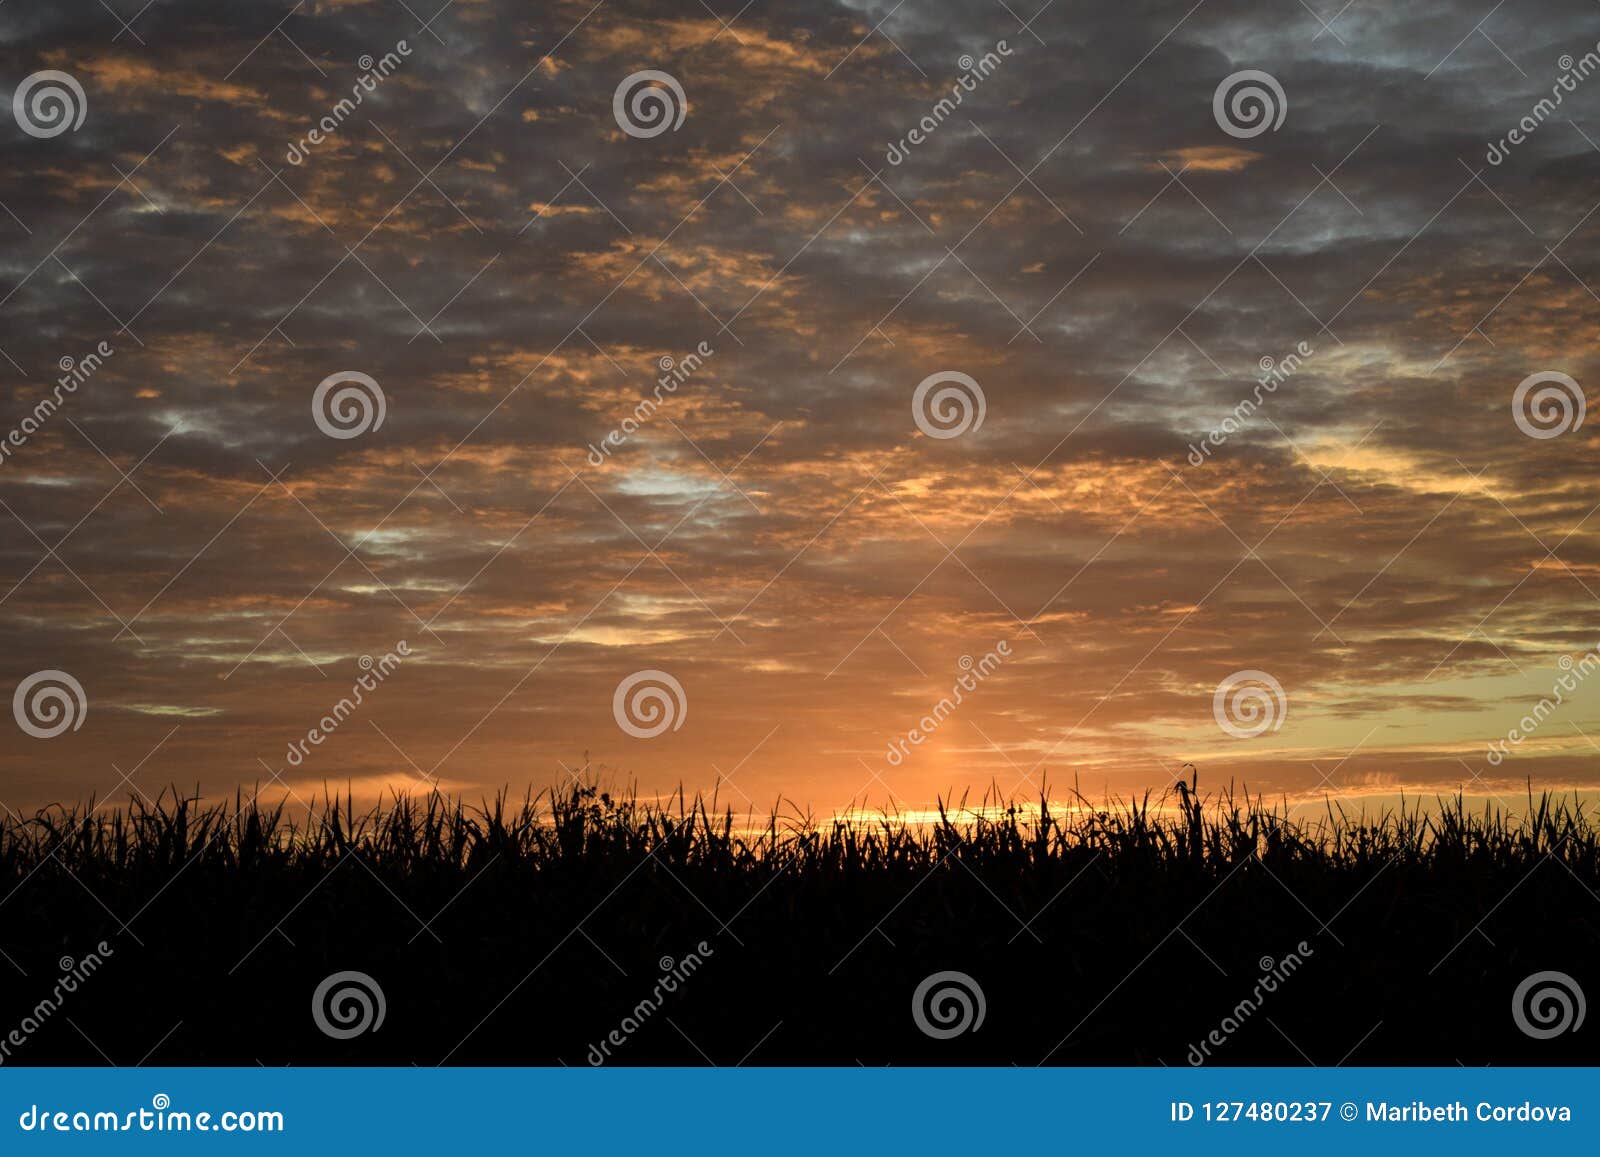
(1121,277)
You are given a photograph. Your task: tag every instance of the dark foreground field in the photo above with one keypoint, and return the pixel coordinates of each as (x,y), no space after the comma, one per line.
(593,930)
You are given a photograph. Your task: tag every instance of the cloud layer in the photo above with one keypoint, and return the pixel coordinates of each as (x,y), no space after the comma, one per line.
(1247,396)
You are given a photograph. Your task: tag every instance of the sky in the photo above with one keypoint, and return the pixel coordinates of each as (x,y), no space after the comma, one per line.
(776,424)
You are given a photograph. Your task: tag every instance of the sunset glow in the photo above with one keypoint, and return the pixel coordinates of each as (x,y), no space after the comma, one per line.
(650,403)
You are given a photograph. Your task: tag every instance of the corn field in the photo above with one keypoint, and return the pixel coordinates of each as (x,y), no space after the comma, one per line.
(526,932)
